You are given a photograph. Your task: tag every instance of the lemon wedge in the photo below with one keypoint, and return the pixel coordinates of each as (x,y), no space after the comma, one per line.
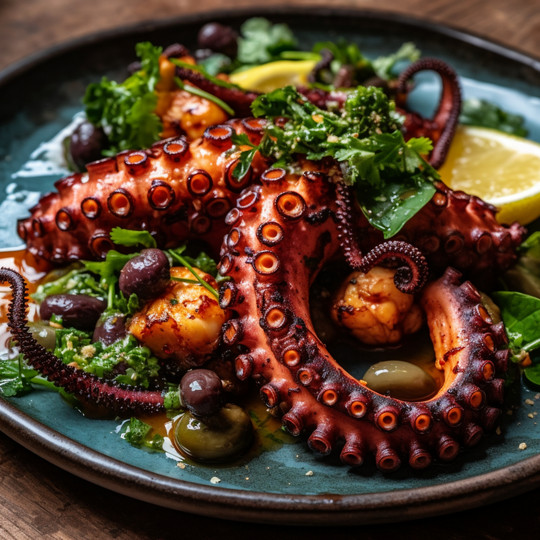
(501,169)
(268,77)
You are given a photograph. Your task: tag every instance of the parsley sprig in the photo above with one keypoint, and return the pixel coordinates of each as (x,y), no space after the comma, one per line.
(125,110)
(391,178)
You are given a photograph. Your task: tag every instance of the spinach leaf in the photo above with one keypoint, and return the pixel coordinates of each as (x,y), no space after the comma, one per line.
(521,316)
(524,276)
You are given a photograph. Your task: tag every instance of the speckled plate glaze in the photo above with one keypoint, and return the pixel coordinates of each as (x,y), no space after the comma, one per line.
(287,484)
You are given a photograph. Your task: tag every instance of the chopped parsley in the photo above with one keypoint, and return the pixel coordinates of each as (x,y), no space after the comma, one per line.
(392,180)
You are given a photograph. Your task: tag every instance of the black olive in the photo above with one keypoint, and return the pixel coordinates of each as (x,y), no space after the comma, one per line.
(43,333)
(110,328)
(202,392)
(76,310)
(146,275)
(86,144)
(218,38)
(176,50)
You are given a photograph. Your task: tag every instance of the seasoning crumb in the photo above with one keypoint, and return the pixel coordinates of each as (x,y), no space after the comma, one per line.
(537,396)
(529,402)
(181,465)
(498,431)
(522,446)
(530,415)
(309,473)
(247,478)
(215,480)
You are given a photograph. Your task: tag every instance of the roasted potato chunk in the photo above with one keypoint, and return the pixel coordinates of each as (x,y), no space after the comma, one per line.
(184,323)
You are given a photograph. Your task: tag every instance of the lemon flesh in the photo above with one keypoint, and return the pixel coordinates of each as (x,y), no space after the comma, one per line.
(268,77)
(501,169)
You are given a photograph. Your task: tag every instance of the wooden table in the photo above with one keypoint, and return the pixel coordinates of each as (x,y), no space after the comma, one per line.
(38,499)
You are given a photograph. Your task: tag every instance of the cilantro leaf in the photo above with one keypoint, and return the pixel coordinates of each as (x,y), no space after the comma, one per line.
(126,110)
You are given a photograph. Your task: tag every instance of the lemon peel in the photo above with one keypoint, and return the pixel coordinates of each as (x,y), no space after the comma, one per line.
(268,77)
(502,169)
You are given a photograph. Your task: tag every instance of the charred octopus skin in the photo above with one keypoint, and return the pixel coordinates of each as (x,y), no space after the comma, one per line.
(300,381)
(275,235)
(175,190)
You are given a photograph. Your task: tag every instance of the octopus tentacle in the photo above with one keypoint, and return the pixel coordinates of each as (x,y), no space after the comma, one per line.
(240,100)
(441,128)
(119,399)
(175,190)
(299,379)
(409,278)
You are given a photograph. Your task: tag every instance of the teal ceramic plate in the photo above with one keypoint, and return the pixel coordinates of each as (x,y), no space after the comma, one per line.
(286,484)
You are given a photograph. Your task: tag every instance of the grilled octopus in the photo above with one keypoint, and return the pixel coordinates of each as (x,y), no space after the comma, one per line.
(264,228)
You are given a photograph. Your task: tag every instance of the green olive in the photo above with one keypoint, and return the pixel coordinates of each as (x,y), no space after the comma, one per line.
(215,439)
(43,333)
(400,380)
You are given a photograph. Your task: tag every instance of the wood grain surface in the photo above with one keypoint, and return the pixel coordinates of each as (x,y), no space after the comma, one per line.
(39,500)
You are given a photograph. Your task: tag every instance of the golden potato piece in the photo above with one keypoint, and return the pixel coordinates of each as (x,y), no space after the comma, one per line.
(184,323)
(374,310)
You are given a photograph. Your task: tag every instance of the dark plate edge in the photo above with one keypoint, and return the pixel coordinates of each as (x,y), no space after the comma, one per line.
(475,40)
(261,507)
(251,506)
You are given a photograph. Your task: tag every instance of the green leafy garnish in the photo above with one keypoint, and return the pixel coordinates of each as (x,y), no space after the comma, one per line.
(130,238)
(125,110)
(17,378)
(521,316)
(261,41)
(76,281)
(137,433)
(391,178)
(138,365)
(478,112)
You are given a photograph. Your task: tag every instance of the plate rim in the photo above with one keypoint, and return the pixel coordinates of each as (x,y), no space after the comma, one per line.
(246,505)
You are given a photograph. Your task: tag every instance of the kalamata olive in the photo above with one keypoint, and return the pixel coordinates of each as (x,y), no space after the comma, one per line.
(110,328)
(400,380)
(215,439)
(201,391)
(43,333)
(86,144)
(176,50)
(219,38)
(77,310)
(146,275)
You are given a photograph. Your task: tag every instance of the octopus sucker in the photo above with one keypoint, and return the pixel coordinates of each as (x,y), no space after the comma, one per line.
(329,406)
(119,399)
(274,229)
(174,189)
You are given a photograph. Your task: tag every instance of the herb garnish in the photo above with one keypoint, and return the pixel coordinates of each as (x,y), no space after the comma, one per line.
(391,178)
(125,110)
(482,113)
